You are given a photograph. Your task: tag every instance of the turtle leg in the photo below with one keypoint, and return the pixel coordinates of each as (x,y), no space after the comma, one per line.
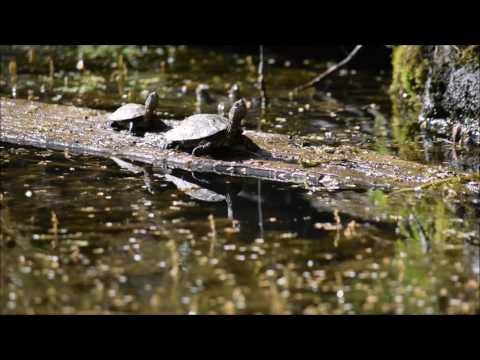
(130,127)
(202,149)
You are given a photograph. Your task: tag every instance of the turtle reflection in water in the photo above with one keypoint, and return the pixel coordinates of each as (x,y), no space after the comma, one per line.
(137,117)
(203,133)
(191,189)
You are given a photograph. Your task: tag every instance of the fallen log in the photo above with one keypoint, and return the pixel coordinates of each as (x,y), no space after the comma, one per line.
(282,158)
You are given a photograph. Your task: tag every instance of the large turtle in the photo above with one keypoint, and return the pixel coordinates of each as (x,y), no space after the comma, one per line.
(202,133)
(137,116)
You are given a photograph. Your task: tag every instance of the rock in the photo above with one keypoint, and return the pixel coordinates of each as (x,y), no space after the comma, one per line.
(441,86)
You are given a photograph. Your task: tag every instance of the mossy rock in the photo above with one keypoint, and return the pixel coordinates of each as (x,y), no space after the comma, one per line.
(469,54)
(440,86)
(410,70)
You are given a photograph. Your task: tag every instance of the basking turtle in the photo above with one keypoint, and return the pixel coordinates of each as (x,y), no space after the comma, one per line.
(233,95)
(204,132)
(137,116)
(202,93)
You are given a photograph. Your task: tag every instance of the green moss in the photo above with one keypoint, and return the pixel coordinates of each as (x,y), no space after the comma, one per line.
(469,54)
(410,70)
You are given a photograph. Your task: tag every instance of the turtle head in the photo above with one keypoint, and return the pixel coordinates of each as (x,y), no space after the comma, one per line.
(202,93)
(151,103)
(237,113)
(234,92)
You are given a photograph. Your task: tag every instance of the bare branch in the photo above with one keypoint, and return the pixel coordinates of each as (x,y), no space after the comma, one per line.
(329,71)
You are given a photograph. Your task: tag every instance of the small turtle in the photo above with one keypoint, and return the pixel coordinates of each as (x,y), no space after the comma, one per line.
(233,95)
(137,116)
(204,132)
(202,93)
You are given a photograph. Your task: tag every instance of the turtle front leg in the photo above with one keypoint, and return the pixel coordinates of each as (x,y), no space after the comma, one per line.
(202,149)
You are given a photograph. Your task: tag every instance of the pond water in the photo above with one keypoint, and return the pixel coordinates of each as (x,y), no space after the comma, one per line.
(82,235)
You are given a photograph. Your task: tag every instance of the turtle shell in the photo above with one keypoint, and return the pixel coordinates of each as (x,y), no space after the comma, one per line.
(128,112)
(197,127)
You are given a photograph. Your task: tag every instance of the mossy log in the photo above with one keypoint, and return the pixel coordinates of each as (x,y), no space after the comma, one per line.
(282,158)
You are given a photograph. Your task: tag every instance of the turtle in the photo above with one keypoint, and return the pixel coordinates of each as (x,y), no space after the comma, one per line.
(204,132)
(136,116)
(202,93)
(233,95)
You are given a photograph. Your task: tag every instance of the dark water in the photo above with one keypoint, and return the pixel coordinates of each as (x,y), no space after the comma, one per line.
(82,235)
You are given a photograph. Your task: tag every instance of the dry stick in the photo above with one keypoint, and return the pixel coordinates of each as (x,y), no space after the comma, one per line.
(329,71)
(261,81)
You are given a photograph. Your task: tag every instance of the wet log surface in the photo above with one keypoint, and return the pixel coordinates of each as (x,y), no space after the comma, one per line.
(282,158)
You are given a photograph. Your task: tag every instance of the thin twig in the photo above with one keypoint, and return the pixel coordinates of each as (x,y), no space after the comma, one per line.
(329,71)
(261,81)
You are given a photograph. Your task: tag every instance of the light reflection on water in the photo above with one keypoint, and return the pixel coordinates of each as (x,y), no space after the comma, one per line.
(120,248)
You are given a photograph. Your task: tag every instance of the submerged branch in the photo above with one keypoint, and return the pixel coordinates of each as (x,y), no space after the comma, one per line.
(450,180)
(329,71)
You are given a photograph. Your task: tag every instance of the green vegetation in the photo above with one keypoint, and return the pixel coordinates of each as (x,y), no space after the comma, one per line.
(470,53)
(410,70)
